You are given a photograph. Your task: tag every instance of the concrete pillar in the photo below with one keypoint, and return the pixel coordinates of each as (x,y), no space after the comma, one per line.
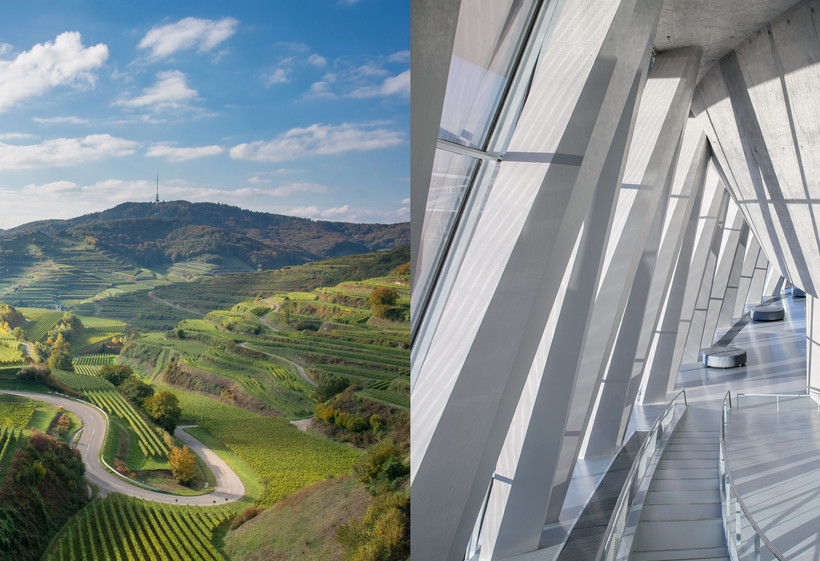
(646,296)
(724,286)
(660,373)
(744,289)
(710,248)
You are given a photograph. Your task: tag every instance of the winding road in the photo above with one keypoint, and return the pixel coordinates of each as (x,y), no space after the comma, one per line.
(228,488)
(298,368)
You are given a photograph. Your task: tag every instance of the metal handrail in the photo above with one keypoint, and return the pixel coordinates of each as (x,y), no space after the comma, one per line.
(777,397)
(625,495)
(728,472)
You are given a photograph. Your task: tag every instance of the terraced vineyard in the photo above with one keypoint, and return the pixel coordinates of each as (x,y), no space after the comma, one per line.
(124,529)
(9,354)
(263,379)
(113,403)
(42,321)
(8,443)
(89,365)
(16,414)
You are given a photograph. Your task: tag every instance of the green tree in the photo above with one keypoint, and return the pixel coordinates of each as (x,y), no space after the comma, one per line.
(330,386)
(381,300)
(115,373)
(164,409)
(382,468)
(60,360)
(183,464)
(136,391)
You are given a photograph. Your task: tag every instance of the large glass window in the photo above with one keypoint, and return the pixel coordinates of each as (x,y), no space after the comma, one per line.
(452,175)
(487,43)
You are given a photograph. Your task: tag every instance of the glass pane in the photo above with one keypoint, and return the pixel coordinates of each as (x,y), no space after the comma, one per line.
(452,174)
(488,39)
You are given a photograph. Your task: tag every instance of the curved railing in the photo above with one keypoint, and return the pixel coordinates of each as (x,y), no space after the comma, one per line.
(608,551)
(733,509)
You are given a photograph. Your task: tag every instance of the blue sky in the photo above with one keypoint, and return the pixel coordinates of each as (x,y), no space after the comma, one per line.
(298,108)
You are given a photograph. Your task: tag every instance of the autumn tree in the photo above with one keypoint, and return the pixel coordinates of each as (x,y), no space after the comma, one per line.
(381,300)
(182,463)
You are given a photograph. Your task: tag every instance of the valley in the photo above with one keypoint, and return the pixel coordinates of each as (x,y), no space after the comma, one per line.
(292,377)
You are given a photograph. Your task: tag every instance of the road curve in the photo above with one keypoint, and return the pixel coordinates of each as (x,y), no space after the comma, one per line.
(298,368)
(228,488)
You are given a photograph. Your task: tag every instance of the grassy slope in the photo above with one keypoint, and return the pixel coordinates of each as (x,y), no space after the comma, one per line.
(301,527)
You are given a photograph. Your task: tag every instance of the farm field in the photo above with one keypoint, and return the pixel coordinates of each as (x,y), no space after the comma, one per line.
(89,365)
(285,458)
(121,528)
(113,403)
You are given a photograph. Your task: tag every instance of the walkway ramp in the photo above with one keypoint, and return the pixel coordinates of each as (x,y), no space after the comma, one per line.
(681,515)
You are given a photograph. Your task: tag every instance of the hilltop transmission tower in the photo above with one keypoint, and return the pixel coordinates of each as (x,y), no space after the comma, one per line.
(156,201)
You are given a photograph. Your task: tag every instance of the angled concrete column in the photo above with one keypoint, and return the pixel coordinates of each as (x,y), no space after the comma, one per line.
(469,385)
(744,288)
(727,274)
(774,283)
(758,280)
(646,295)
(655,371)
(711,252)
(662,367)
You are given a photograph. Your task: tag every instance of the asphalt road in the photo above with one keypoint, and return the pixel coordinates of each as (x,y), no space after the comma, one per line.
(229,487)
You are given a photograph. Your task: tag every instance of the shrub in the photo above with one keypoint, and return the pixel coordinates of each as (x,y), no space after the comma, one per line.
(382,534)
(246,515)
(35,373)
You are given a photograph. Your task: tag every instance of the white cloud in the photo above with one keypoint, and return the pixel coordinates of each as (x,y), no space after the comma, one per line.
(59,152)
(47,65)
(53,188)
(279,76)
(16,136)
(188,33)
(405,201)
(299,187)
(346,213)
(348,2)
(400,56)
(5,48)
(320,89)
(71,119)
(170,91)
(256,180)
(294,46)
(177,154)
(318,139)
(314,212)
(317,60)
(393,85)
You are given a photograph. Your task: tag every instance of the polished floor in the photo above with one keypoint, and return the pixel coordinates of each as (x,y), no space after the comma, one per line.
(776,364)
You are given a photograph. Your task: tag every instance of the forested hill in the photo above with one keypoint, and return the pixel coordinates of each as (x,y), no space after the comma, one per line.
(179,231)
